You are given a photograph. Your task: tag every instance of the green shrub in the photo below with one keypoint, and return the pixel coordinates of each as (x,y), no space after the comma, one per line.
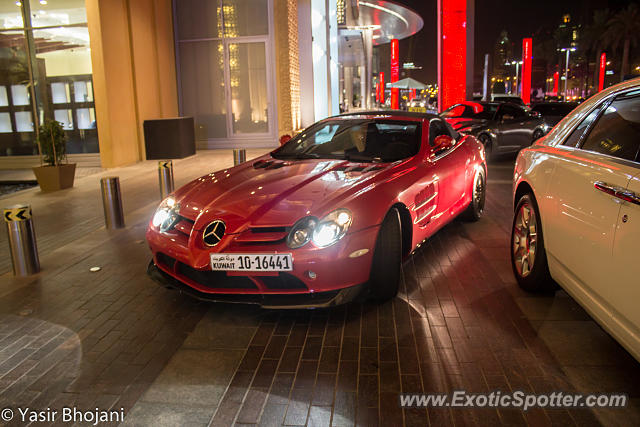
(52,142)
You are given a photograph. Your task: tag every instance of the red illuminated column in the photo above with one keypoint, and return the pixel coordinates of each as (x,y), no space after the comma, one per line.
(526,70)
(603,66)
(395,73)
(413,94)
(556,77)
(382,88)
(455,52)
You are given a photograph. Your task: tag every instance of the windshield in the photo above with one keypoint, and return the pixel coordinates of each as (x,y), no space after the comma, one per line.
(358,140)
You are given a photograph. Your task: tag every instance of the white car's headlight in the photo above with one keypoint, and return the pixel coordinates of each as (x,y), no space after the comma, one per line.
(323,233)
(166,214)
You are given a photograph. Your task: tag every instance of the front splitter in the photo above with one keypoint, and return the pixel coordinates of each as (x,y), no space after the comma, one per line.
(269,301)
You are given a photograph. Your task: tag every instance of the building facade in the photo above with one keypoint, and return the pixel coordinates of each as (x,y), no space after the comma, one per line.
(247,71)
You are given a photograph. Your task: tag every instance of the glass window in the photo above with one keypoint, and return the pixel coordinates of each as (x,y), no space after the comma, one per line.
(358,140)
(4,100)
(61,74)
(510,112)
(198,19)
(617,131)
(19,94)
(59,93)
(10,15)
(24,121)
(5,123)
(86,118)
(83,91)
(64,117)
(245,17)
(203,93)
(574,138)
(53,13)
(248,78)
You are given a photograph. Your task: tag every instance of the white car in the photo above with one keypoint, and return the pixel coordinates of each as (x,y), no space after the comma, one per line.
(577,211)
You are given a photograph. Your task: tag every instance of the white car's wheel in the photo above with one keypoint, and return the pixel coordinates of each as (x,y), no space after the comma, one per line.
(528,255)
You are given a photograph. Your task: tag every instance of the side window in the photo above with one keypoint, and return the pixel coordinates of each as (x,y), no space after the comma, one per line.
(437,128)
(617,131)
(509,112)
(573,139)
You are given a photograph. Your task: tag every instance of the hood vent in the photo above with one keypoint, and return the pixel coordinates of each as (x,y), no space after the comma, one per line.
(275,165)
(261,164)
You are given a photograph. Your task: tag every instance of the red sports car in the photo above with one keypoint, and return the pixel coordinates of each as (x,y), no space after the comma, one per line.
(328,215)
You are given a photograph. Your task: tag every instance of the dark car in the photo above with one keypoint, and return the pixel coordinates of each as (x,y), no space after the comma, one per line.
(514,99)
(553,112)
(501,127)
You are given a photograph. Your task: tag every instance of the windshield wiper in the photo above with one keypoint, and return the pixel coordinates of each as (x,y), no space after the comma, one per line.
(360,158)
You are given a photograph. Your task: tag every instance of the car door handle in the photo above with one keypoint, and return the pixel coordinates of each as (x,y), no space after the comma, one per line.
(619,192)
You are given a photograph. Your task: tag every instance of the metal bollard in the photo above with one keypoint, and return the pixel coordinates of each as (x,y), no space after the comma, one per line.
(22,240)
(112,202)
(165,177)
(239,156)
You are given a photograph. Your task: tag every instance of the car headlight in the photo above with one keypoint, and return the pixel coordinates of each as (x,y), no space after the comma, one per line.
(332,228)
(325,232)
(166,215)
(301,232)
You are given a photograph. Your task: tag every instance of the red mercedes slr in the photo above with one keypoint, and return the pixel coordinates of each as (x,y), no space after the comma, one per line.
(327,217)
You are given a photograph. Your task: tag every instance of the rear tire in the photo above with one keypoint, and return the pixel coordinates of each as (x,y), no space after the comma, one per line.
(387,258)
(475,210)
(528,255)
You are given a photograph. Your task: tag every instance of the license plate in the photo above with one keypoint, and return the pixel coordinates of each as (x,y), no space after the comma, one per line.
(417,109)
(251,262)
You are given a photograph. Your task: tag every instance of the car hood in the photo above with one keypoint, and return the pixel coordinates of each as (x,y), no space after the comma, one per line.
(267,192)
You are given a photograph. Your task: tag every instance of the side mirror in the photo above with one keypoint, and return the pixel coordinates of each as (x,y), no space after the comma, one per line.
(442,143)
(284,139)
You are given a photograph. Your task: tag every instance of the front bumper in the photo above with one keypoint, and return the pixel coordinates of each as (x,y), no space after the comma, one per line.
(315,270)
(270,301)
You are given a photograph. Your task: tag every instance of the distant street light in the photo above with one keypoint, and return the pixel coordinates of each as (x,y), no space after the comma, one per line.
(517,64)
(568,51)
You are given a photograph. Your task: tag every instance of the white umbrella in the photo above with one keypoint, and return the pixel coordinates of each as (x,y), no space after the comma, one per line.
(407,83)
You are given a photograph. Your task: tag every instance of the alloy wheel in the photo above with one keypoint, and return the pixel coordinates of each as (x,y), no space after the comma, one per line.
(525,239)
(479,191)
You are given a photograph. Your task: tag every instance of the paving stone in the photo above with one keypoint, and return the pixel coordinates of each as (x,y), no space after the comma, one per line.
(114,338)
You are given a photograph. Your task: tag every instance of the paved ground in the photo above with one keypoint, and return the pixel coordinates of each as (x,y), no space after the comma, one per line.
(112,339)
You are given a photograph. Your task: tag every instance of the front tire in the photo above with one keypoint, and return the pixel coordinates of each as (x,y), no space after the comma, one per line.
(537,134)
(475,210)
(387,258)
(528,255)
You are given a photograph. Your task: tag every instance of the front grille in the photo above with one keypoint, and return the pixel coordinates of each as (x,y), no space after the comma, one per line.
(283,281)
(269,229)
(215,279)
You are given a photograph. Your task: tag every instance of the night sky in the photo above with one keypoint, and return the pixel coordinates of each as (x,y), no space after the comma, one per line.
(520,19)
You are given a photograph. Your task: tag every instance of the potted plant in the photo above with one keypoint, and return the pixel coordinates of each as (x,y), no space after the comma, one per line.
(53,175)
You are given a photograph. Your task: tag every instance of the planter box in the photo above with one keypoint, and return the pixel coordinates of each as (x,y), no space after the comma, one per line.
(53,178)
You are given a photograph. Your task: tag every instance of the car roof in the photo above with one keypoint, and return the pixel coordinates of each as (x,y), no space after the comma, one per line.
(411,115)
